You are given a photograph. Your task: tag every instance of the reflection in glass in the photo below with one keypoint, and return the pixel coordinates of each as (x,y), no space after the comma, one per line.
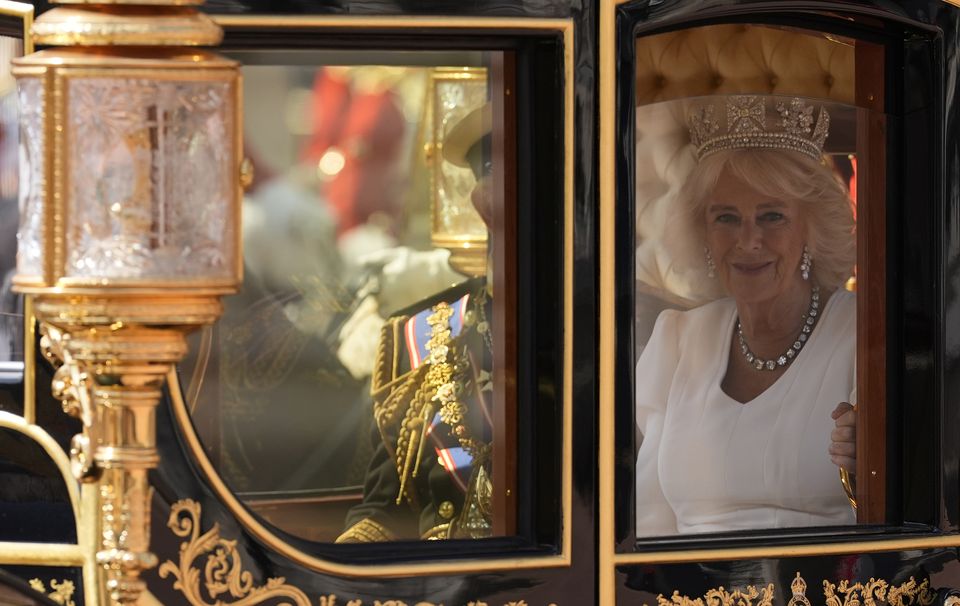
(347,387)
(746,329)
(454,97)
(11,314)
(174,223)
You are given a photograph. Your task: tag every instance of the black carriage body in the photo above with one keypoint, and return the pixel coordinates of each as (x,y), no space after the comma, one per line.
(575,541)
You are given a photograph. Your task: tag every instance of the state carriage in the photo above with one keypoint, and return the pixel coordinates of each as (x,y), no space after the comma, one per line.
(239,475)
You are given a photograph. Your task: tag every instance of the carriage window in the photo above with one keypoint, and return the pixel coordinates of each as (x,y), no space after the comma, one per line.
(11,314)
(759,156)
(350,393)
(11,305)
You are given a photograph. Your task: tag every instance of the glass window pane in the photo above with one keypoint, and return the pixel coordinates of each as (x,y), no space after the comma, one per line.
(11,313)
(347,391)
(748,157)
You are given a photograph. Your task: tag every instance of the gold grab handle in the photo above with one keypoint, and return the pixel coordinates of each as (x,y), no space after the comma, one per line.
(846,480)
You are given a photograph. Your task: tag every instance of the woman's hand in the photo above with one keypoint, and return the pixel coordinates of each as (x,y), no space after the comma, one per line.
(843,438)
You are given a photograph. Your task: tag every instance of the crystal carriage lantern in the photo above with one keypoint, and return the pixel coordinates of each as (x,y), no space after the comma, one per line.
(130,193)
(129,165)
(455,223)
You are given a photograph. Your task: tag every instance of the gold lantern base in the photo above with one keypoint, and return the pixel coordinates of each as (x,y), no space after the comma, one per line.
(468,255)
(113,356)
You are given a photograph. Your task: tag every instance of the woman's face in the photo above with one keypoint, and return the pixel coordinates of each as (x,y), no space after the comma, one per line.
(756,241)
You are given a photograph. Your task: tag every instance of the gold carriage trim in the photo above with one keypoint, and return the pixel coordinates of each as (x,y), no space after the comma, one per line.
(875,591)
(366,530)
(223,572)
(61,592)
(722,597)
(844,593)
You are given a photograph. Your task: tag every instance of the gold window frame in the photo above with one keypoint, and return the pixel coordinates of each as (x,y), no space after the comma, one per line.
(609,557)
(401,24)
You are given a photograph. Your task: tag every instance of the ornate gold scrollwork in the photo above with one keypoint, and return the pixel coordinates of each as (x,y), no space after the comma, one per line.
(722,597)
(223,572)
(872,593)
(878,591)
(70,386)
(61,592)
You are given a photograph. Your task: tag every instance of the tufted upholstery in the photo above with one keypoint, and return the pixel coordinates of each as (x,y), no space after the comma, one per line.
(729,59)
(716,59)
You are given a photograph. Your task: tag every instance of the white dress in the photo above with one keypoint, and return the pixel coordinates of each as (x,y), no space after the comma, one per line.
(708,463)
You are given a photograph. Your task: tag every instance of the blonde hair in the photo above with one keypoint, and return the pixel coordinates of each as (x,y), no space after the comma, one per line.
(783,175)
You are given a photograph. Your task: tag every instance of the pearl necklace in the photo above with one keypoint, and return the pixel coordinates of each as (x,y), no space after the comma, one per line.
(809,321)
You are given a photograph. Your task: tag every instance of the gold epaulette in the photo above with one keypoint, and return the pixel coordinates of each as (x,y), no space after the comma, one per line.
(366,530)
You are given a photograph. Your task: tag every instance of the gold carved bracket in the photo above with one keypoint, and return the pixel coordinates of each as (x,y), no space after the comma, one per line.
(71,386)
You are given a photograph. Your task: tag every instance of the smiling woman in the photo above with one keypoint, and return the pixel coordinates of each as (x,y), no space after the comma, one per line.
(744,403)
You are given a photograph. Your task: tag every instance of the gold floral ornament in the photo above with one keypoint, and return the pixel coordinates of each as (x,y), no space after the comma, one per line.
(61,592)
(222,571)
(879,591)
(875,592)
(749,596)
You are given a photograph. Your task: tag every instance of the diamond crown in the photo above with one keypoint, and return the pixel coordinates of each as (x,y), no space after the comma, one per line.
(753,121)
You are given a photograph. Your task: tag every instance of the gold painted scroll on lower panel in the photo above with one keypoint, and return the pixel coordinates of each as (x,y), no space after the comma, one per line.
(224,581)
(874,592)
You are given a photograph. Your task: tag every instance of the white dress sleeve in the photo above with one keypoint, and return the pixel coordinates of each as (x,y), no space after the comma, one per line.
(655,373)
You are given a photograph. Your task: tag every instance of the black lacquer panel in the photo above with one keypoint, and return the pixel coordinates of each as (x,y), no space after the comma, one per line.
(949,226)
(11,26)
(539,96)
(34,503)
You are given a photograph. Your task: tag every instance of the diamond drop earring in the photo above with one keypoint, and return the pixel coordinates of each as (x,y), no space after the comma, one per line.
(806,263)
(711,266)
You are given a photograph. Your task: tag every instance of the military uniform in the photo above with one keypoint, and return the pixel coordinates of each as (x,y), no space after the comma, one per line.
(429,476)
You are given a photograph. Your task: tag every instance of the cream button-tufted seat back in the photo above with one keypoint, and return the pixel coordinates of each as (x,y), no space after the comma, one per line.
(733,59)
(710,60)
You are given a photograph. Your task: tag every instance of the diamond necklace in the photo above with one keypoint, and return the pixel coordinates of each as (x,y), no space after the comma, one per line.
(809,321)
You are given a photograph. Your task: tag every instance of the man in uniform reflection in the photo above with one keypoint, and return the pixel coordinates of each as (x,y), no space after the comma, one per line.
(429,477)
